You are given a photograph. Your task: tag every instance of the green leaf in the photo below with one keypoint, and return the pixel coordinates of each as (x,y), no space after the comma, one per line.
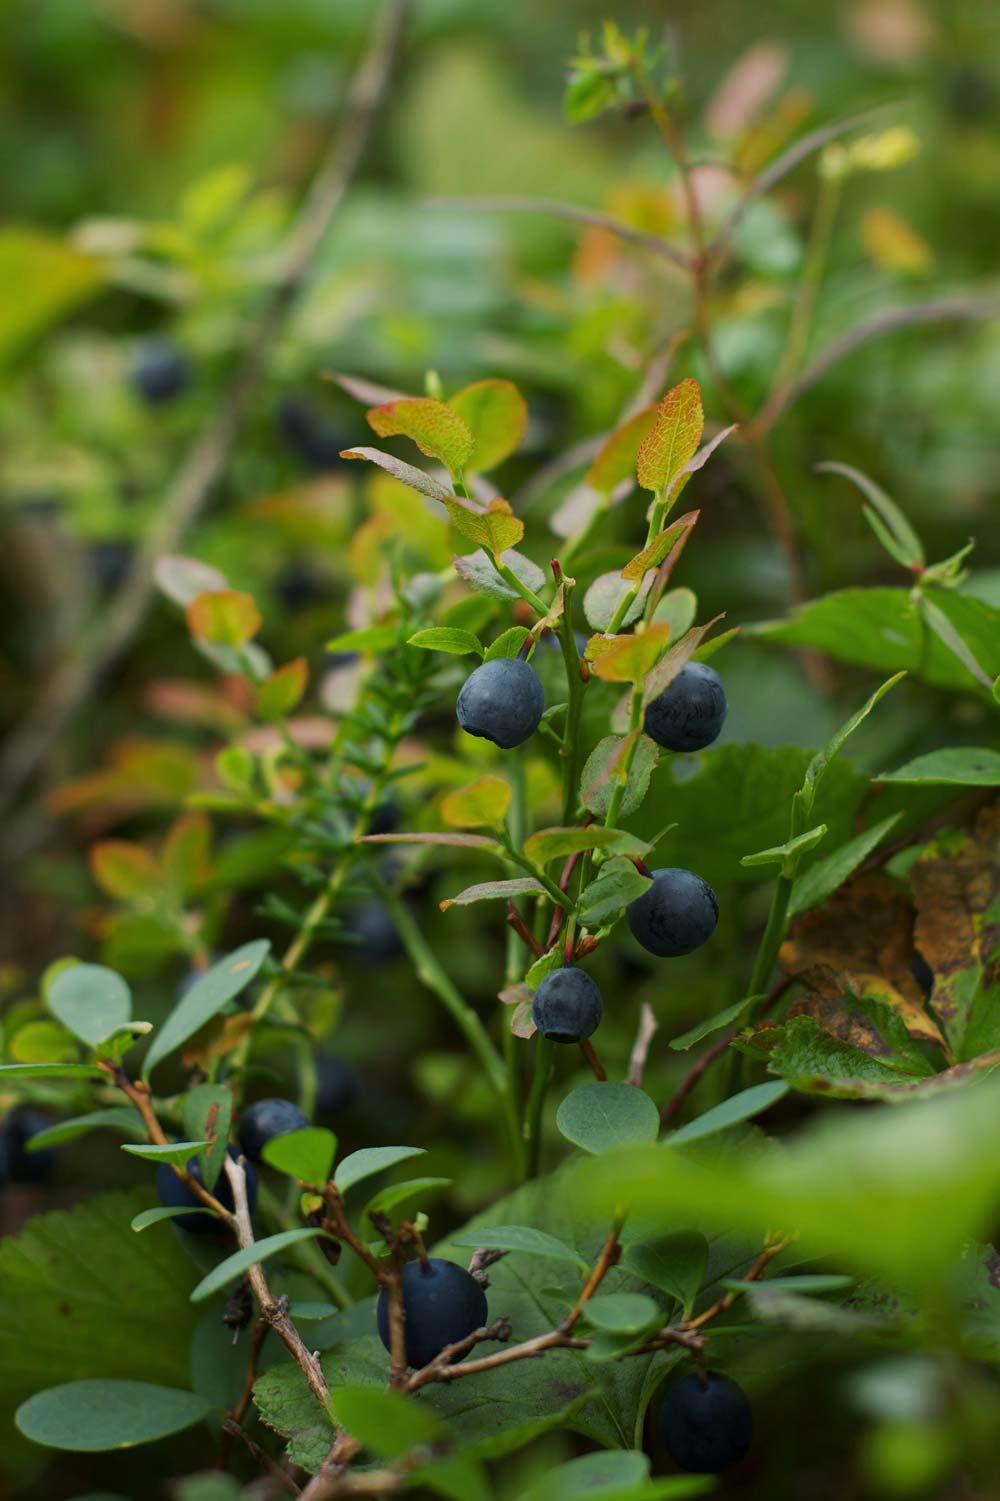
(612,1475)
(588,95)
(476,570)
(207,1112)
(435,427)
(490,891)
(224,617)
(51,277)
(806,1282)
(825,877)
(496,529)
(953,640)
(960,766)
(15,1071)
(176,1153)
(372,638)
(817,768)
(241,1261)
(597,782)
(787,855)
(371,1160)
(615,461)
(482,803)
(90,1001)
(118,1117)
(447,639)
(407,474)
(600,1116)
(521,1238)
(712,1024)
(75,1286)
(496,415)
(673,439)
(386,1422)
(623,1313)
(895,532)
(508,644)
(557,843)
(606,593)
(279,694)
(156,1216)
(92,1416)
(816,1062)
(206,997)
(43,1042)
(446,840)
(306,1154)
(739,1107)
(882,629)
(618,884)
(674,1263)
(387,1200)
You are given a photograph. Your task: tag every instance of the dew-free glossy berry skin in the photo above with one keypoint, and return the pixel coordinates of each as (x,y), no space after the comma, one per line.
(160,371)
(676,915)
(17,1164)
(174,1194)
(567,1006)
(689,714)
(266,1119)
(706,1423)
(443,1303)
(502,701)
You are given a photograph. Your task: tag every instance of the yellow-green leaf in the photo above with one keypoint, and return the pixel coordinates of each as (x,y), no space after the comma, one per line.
(627,659)
(483,803)
(434,426)
(125,871)
(673,439)
(653,555)
(224,616)
(45,278)
(280,693)
(496,415)
(495,529)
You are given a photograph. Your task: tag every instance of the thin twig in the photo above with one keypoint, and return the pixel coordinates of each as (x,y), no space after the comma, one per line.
(590,1053)
(274,1311)
(718,1047)
(552,208)
(648,1026)
(233,1430)
(939,310)
(522,930)
(101,646)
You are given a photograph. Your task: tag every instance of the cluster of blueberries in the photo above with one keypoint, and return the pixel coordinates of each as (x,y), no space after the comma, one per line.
(503,701)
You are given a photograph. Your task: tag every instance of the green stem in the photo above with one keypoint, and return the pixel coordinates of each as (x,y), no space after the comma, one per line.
(431,974)
(559,897)
(543,1070)
(622,774)
(652,532)
(510,577)
(517,828)
(774,934)
(572,739)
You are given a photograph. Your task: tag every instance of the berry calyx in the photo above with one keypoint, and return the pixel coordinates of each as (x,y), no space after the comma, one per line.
(676,915)
(443,1304)
(690,713)
(265,1119)
(567,1006)
(502,701)
(174,1194)
(706,1423)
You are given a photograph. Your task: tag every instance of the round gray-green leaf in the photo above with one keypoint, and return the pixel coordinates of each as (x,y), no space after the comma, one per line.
(601,1116)
(91,1416)
(90,1000)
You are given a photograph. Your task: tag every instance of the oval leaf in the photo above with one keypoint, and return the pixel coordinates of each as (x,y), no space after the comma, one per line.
(521,1238)
(307,1154)
(206,998)
(496,415)
(234,1266)
(601,1116)
(371,1160)
(90,1000)
(92,1416)
(224,617)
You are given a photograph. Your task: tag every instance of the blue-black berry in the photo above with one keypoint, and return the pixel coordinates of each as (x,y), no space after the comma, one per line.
(175,1194)
(706,1423)
(688,714)
(675,915)
(17,1164)
(160,371)
(443,1303)
(265,1119)
(567,1006)
(502,701)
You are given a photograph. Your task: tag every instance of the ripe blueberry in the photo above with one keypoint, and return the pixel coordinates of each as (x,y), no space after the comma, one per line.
(706,1423)
(336,1085)
(159,371)
(175,1194)
(675,915)
(502,701)
(689,714)
(567,1006)
(265,1119)
(17,1164)
(443,1303)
